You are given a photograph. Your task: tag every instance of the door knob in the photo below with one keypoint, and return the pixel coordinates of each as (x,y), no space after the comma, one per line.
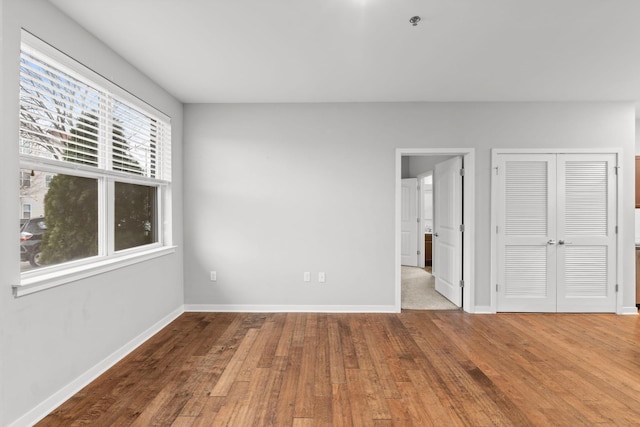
(435,234)
(562,242)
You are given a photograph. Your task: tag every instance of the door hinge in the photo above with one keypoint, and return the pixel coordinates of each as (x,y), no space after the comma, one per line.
(616,287)
(462,172)
(418,220)
(496,229)
(616,168)
(496,287)
(496,168)
(418,252)
(462,228)
(616,229)
(462,283)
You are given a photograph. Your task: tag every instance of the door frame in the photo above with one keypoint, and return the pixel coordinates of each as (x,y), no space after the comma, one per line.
(495,152)
(468,218)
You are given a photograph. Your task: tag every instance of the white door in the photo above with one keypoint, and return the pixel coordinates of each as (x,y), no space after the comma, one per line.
(586,233)
(556,232)
(409,232)
(526,249)
(447,235)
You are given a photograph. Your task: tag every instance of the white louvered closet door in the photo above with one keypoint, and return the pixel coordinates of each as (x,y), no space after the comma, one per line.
(586,233)
(526,233)
(556,236)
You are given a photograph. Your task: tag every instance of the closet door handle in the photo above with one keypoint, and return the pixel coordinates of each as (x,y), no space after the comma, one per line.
(551,242)
(562,242)
(435,234)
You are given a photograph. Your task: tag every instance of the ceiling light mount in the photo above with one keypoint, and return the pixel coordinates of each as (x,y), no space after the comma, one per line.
(414,20)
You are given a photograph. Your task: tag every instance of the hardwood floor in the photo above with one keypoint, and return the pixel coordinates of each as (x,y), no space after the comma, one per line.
(415,368)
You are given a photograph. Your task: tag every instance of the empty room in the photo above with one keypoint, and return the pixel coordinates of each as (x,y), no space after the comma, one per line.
(222,205)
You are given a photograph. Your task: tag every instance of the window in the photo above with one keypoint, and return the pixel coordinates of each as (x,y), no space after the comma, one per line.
(25,179)
(26,211)
(99,157)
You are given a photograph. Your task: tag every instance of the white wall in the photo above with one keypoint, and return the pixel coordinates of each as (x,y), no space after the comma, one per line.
(422,164)
(272,191)
(50,338)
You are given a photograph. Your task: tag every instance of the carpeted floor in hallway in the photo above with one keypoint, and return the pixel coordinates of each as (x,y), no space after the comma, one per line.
(419,293)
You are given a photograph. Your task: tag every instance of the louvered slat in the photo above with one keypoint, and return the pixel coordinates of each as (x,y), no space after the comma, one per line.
(526,198)
(525,269)
(586,198)
(586,271)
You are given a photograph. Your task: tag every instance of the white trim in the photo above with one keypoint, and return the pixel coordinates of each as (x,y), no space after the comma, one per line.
(71,274)
(619,221)
(620,309)
(28,161)
(276,308)
(484,309)
(469,217)
(633,311)
(52,402)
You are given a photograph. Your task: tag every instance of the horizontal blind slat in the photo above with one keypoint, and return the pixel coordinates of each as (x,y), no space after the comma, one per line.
(63,117)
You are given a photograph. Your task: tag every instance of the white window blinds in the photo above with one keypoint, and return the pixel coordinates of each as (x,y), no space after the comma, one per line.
(65,117)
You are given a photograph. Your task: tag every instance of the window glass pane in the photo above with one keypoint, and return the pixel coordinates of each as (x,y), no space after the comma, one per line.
(135,218)
(58,113)
(64,220)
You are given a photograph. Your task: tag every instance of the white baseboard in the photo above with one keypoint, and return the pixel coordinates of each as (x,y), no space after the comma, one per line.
(62,395)
(251,308)
(483,309)
(633,310)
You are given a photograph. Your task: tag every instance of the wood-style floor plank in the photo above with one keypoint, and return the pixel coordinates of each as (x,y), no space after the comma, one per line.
(444,368)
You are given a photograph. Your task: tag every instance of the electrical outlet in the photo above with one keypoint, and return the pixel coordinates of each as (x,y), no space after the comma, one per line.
(214,276)
(321,277)
(307,276)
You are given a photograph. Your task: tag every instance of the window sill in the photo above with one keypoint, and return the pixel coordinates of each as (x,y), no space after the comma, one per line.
(50,280)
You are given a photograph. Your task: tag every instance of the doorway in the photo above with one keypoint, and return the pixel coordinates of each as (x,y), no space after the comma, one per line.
(465,262)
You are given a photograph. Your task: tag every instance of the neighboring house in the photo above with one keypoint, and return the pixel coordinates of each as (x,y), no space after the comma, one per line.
(33,188)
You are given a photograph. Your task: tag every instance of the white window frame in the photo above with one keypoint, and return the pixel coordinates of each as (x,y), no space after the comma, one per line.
(25,182)
(107,259)
(24,210)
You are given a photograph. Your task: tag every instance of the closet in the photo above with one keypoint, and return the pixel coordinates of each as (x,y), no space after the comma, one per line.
(556,232)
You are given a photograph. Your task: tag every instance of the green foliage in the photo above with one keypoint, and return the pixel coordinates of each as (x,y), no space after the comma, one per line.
(71,207)
(134,210)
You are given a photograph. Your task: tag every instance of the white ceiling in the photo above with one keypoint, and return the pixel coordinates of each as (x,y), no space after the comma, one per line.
(366,50)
